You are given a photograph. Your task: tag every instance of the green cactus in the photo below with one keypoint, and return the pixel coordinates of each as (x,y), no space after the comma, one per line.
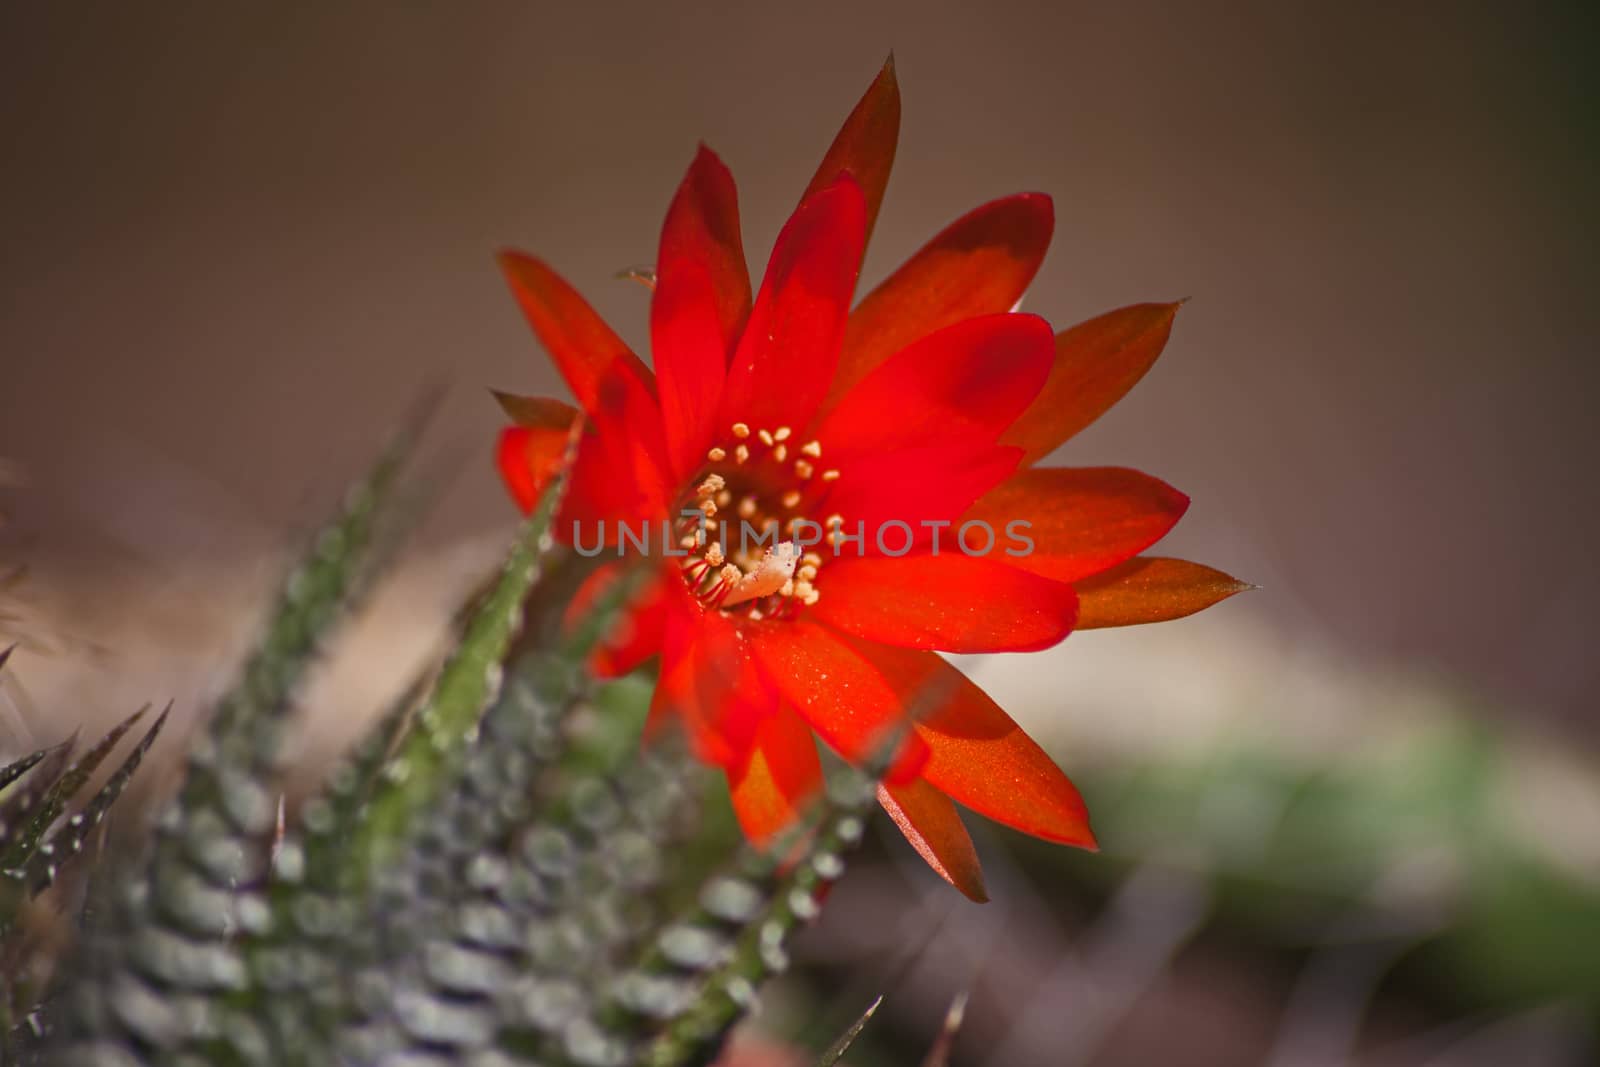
(492,875)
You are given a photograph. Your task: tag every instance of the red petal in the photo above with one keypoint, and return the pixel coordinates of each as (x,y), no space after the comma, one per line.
(979,265)
(608,380)
(933,826)
(965,382)
(843,697)
(597,498)
(782,773)
(637,635)
(934,484)
(710,684)
(1152,589)
(1096,363)
(702,298)
(1081,520)
(952,602)
(528,460)
(785,359)
(864,147)
(979,756)
(584,348)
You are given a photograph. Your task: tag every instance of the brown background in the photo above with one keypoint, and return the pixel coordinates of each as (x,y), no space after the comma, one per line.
(237,239)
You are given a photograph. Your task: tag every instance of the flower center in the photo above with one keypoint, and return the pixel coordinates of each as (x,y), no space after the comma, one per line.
(749,531)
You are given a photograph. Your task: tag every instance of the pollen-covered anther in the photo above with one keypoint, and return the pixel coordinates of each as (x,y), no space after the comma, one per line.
(709,507)
(780,453)
(802,469)
(765,436)
(713,484)
(787,588)
(747,507)
(812,560)
(791,498)
(741,430)
(803,589)
(781,433)
(807,571)
(812,449)
(741,454)
(829,475)
(714,554)
(717,455)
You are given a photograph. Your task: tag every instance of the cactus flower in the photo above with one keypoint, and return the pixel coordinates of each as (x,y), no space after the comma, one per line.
(893,451)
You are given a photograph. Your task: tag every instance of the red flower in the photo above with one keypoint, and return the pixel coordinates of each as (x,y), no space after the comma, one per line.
(921,411)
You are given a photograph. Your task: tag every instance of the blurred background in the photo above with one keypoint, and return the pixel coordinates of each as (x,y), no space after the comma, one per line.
(1353,817)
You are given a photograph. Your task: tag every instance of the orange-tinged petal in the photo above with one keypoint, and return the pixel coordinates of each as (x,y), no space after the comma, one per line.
(1151,589)
(786,356)
(979,265)
(968,381)
(1097,362)
(864,146)
(979,756)
(701,302)
(586,351)
(1079,520)
(931,823)
(950,601)
(780,775)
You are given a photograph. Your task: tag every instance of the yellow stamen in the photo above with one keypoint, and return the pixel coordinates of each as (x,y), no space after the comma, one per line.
(791,498)
(717,455)
(766,437)
(741,430)
(802,469)
(741,454)
(829,475)
(812,449)
(780,453)
(781,433)
(714,554)
(747,507)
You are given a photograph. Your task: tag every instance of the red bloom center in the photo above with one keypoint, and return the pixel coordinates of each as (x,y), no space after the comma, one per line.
(755,499)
